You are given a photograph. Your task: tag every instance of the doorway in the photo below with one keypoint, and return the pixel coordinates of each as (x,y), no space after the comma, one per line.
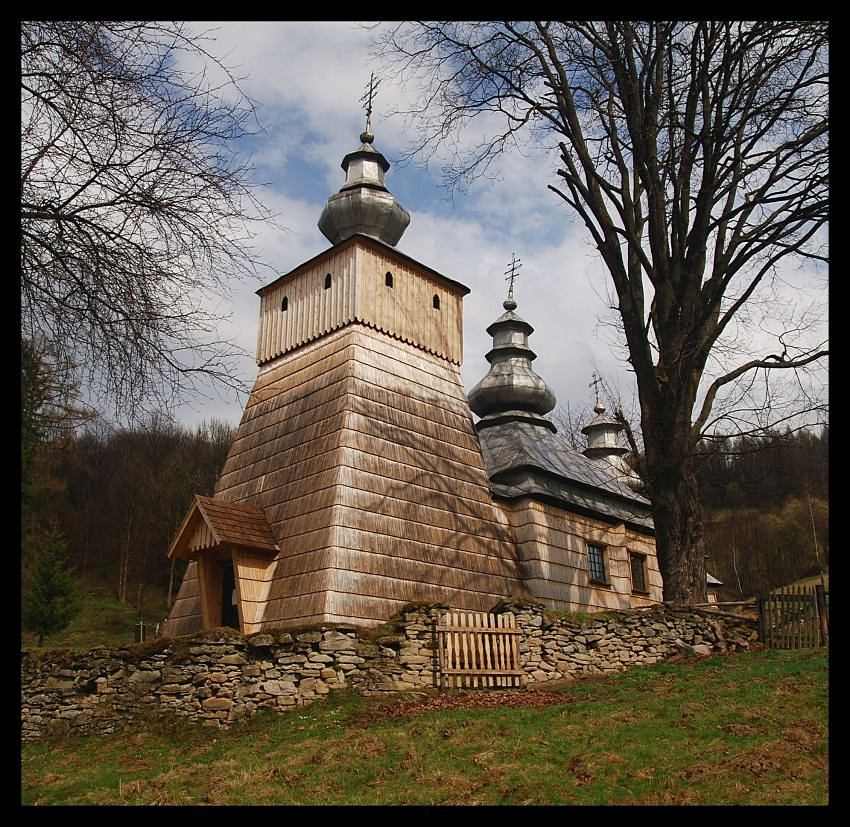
(229,607)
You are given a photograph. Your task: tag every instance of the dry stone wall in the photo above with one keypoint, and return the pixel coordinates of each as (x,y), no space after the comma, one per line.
(558,648)
(219,677)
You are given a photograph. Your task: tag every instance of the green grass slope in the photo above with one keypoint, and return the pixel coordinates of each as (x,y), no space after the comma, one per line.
(102,621)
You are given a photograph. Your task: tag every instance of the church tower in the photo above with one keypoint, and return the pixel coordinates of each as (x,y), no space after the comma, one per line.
(355,483)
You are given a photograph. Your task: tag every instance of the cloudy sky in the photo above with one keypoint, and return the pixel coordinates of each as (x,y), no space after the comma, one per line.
(308,79)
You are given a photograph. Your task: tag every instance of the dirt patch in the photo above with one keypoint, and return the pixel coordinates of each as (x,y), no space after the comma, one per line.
(580,768)
(370,746)
(739,729)
(796,744)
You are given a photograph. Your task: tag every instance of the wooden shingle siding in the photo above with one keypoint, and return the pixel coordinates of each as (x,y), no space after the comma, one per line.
(478,572)
(552,545)
(372,472)
(362,455)
(443,587)
(358,293)
(299,609)
(185,615)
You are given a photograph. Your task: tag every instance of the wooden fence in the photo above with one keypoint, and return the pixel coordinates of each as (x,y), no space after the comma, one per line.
(794,617)
(478,650)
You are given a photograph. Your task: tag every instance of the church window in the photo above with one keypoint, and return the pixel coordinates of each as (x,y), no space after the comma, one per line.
(436,302)
(388,279)
(284,304)
(596,564)
(328,281)
(637,562)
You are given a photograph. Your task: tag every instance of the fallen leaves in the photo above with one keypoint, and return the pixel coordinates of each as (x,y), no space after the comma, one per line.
(460,699)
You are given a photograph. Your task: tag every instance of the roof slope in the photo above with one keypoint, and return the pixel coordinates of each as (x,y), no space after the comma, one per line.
(243,525)
(524,459)
(214,522)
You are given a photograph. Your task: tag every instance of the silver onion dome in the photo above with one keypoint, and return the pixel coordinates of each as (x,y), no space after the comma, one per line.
(511,390)
(364,204)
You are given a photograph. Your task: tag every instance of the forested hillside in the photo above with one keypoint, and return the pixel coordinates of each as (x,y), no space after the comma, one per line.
(766,508)
(119,496)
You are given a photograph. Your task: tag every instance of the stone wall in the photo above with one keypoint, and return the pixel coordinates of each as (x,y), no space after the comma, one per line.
(220,677)
(557,648)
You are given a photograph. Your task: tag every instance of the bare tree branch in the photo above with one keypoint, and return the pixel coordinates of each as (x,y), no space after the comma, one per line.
(696,154)
(136,212)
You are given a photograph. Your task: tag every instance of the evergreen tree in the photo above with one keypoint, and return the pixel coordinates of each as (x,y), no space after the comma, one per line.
(50,597)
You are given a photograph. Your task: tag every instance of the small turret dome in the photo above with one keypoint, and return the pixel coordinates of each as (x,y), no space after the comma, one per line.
(602,435)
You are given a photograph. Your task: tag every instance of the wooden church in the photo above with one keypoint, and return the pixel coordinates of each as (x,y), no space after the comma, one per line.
(358,481)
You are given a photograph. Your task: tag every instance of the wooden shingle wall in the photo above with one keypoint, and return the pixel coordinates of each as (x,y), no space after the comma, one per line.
(359,292)
(185,615)
(253,577)
(361,451)
(552,545)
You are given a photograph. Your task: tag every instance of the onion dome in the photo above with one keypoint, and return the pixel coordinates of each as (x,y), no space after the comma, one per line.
(601,434)
(511,391)
(364,204)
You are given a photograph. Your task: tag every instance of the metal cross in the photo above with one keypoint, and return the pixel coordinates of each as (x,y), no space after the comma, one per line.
(511,273)
(368,97)
(597,381)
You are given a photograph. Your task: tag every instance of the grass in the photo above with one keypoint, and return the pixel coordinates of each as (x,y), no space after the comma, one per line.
(581,618)
(744,729)
(102,621)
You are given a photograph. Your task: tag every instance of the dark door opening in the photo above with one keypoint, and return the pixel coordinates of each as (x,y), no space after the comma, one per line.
(229,609)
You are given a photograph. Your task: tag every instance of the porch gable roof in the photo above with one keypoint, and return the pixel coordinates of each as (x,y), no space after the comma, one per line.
(221,523)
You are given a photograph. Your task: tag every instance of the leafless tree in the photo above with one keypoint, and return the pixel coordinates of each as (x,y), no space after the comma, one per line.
(695,153)
(135,210)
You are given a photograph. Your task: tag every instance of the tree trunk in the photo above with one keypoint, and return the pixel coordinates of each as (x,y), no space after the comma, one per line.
(680,539)
(124,564)
(735,551)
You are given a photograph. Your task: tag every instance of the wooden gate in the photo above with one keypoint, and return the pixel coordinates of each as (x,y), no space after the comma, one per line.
(789,618)
(478,650)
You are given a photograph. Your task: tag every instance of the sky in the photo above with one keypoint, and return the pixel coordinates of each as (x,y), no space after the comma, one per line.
(308,79)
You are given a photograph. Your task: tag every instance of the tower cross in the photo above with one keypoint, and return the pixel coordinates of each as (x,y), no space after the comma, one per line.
(369,97)
(597,381)
(511,273)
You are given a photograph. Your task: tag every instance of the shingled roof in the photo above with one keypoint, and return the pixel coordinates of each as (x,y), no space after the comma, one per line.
(240,525)
(524,459)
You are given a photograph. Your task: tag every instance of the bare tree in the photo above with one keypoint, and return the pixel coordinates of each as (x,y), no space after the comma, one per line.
(695,153)
(135,210)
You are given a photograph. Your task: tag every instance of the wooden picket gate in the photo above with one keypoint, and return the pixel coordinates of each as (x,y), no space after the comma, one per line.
(793,617)
(478,650)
